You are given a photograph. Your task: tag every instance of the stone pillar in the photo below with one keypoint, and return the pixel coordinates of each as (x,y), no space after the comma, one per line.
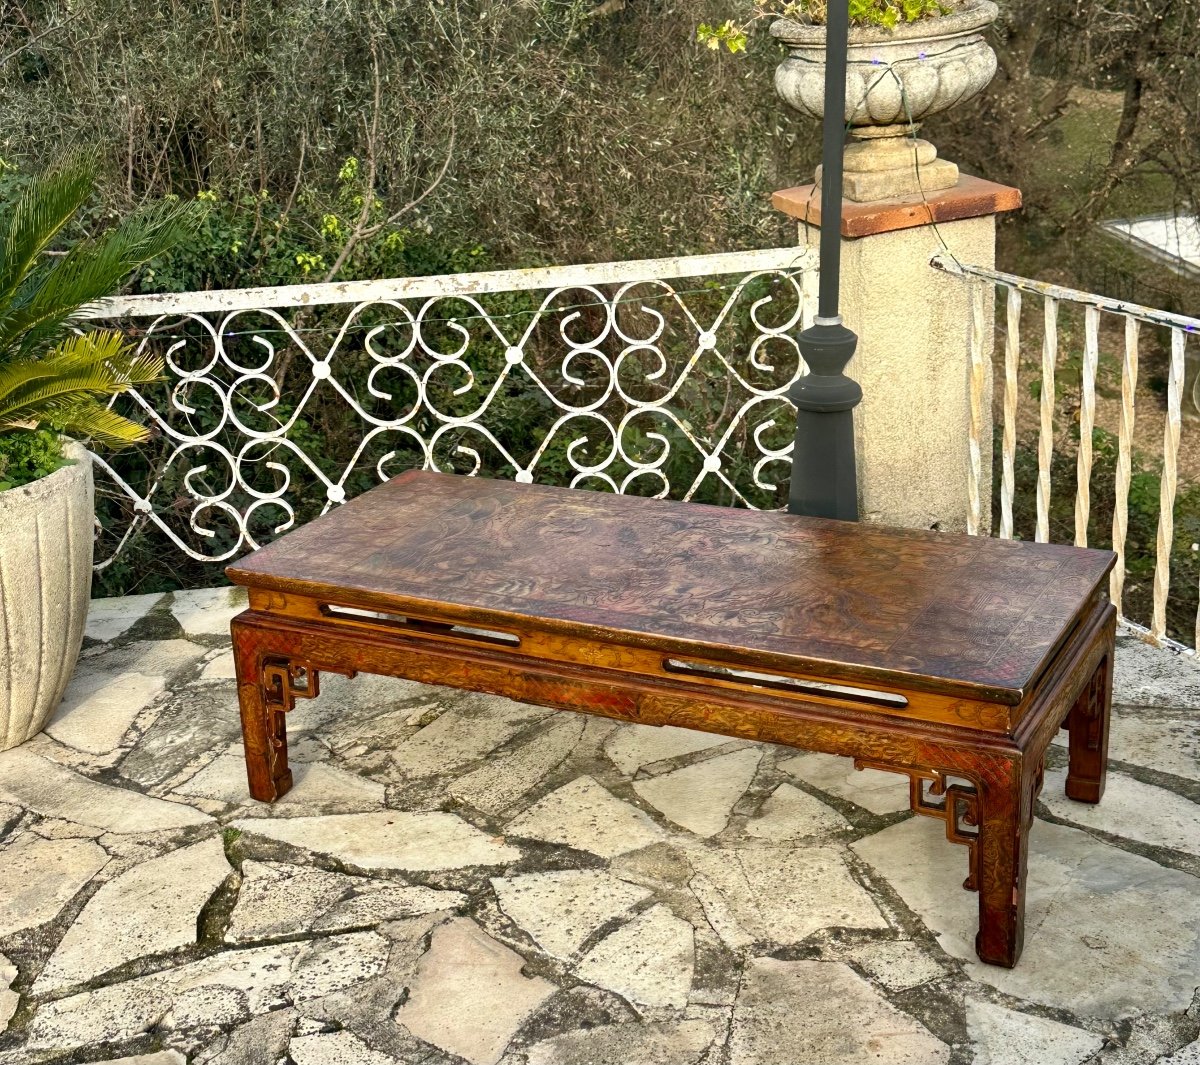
(912,361)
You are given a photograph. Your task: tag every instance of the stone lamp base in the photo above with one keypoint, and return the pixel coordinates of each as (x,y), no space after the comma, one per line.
(882,162)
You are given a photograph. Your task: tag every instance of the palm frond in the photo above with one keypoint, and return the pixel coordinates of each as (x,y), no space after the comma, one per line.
(86,418)
(41,211)
(90,271)
(99,379)
(70,356)
(47,376)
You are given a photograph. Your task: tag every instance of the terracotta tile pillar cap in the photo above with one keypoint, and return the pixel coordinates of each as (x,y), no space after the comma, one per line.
(972,197)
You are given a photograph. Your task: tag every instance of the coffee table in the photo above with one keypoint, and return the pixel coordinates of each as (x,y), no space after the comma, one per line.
(952,660)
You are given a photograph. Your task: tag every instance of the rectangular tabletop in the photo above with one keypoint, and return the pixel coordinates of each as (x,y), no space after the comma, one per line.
(968,614)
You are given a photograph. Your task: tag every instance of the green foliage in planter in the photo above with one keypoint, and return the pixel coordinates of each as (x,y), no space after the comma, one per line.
(734,35)
(53,376)
(27,455)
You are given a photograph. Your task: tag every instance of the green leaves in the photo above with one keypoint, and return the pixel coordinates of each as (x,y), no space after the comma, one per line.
(50,375)
(60,389)
(729,34)
(39,215)
(28,456)
(887,13)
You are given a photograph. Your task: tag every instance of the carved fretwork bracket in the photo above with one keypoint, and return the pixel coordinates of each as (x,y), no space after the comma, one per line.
(285,681)
(953,800)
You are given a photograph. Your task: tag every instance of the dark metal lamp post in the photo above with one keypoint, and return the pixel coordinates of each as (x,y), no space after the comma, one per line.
(824,479)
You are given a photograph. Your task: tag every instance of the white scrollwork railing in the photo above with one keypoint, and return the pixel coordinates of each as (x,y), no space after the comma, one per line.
(1087,369)
(657,377)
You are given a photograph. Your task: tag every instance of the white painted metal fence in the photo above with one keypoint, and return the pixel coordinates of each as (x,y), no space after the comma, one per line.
(1169,331)
(663,376)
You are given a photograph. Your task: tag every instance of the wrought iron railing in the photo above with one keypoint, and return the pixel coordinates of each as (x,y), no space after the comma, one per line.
(1065,378)
(658,377)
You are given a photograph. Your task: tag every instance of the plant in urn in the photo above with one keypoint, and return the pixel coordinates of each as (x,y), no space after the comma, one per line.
(907,60)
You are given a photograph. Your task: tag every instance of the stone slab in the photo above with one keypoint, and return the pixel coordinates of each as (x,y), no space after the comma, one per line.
(1130,809)
(561,910)
(335,1048)
(154,658)
(41,876)
(1167,741)
(219,669)
(157,1058)
(96,711)
(872,789)
(463,734)
(207,611)
(1005,1037)
(277,899)
(498,784)
(314,784)
(971,197)
(633,746)
(470,996)
(260,1041)
(370,709)
(388,902)
(1108,934)
(790,814)
(822,1013)
(655,1043)
(150,908)
(1151,676)
(389,839)
(1188,1055)
(897,965)
(109,618)
(52,790)
(649,961)
(8,997)
(700,797)
(224,989)
(584,815)
(193,723)
(779,896)
(160,1057)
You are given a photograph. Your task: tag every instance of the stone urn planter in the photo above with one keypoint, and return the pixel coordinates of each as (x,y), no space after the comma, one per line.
(45,584)
(894,80)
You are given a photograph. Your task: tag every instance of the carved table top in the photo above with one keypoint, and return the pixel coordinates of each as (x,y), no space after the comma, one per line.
(961,614)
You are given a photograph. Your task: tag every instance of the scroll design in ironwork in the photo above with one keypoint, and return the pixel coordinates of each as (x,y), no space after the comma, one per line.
(615,366)
(951,799)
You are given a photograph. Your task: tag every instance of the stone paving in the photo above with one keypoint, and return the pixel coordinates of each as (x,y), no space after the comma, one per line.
(456,878)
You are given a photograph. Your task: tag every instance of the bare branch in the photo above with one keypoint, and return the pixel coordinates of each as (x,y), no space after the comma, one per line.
(363,227)
(395,216)
(37,37)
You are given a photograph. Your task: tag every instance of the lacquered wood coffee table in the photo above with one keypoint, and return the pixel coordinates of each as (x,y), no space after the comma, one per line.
(950,659)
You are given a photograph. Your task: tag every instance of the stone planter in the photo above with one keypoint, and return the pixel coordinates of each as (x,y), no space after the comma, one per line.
(45,585)
(894,80)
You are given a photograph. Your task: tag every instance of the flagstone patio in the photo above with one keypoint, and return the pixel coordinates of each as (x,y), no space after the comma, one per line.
(462,878)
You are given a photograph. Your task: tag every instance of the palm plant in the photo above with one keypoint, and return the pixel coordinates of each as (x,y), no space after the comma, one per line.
(56,377)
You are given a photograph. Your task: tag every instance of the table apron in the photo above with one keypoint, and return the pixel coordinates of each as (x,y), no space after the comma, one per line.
(813,723)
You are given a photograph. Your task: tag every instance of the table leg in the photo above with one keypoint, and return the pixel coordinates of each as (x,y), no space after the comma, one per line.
(1088,722)
(1006,807)
(264,731)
